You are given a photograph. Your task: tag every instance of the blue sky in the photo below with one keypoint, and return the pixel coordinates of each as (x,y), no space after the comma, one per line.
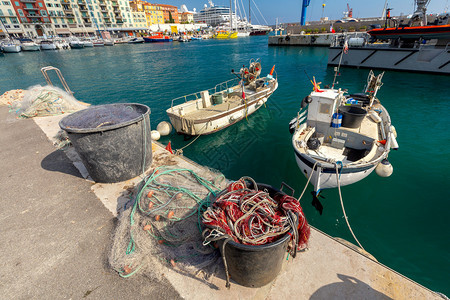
(290,10)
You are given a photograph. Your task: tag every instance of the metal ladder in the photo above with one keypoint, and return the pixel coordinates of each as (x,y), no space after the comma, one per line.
(44,71)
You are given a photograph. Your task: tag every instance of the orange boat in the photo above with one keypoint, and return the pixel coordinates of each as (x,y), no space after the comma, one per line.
(414,32)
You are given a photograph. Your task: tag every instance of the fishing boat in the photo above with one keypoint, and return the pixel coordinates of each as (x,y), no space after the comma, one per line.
(47,45)
(157,37)
(340,139)
(225,104)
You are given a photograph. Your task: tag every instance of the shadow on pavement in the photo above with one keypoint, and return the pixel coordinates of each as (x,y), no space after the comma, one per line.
(57,161)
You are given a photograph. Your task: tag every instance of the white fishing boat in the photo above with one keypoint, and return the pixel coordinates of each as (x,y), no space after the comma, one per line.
(340,139)
(227,103)
(47,45)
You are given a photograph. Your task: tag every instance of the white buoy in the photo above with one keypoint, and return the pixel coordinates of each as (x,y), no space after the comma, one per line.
(164,128)
(375,117)
(394,144)
(384,168)
(393,130)
(155,135)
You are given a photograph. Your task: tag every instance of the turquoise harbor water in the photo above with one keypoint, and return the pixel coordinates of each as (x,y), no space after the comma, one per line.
(402,220)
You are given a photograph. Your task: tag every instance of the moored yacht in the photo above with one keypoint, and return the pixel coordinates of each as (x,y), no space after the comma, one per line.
(48,45)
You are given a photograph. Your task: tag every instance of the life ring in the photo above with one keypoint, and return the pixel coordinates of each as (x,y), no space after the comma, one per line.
(287,38)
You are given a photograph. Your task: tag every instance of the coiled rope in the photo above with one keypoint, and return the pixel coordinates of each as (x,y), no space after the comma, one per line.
(249,216)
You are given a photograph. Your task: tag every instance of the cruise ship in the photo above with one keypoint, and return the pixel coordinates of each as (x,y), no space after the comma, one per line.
(213,15)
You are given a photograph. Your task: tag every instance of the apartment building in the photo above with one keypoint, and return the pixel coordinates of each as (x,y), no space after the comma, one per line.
(33,18)
(168,11)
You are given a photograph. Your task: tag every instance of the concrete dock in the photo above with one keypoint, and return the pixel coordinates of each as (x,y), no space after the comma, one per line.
(56,233)
(312,40)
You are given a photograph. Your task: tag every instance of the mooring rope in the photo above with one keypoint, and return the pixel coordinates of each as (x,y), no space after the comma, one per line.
(342,203)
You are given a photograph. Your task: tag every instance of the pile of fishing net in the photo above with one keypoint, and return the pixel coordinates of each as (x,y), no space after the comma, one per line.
(11,96)
(252,217)
(161,226)
(39,101)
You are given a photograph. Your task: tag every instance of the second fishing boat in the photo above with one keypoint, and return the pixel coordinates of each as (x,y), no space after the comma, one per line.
(228,102)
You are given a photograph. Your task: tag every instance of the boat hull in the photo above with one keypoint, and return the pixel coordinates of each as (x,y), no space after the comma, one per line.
(426,59)
(76,45)
(259,32)
(48,46)
(157,40)
(88,44)
(325,177)
(30,47)
(415,32)
(11,48)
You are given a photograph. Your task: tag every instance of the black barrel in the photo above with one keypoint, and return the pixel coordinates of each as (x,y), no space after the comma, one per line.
(256,265)
(352,116)
(113,140)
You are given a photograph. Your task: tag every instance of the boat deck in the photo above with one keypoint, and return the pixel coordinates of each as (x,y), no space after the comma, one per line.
(213,110)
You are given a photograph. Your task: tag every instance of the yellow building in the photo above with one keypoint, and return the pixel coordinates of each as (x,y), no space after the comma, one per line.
(153,13)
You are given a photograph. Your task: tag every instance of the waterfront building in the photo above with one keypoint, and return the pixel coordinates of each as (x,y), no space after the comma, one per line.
(9,22)
(33,18)
(169,11)
(187,17)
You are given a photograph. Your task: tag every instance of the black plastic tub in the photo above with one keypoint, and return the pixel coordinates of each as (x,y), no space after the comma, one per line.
(352,116)
(256,266)
(113,140)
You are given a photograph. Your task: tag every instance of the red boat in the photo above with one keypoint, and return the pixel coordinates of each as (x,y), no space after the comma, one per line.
(157,37)
(414,32)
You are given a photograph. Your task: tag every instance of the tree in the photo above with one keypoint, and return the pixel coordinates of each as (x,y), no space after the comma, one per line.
(171,20)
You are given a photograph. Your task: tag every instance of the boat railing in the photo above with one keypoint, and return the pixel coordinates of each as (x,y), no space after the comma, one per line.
(223,86)
(44,71)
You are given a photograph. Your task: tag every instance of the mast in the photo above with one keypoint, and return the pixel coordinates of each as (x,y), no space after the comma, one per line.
(231,26)
(235,12)
(249,13)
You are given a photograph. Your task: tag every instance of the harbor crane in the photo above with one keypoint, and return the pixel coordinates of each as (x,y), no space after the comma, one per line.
(349,11)
(304,6)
